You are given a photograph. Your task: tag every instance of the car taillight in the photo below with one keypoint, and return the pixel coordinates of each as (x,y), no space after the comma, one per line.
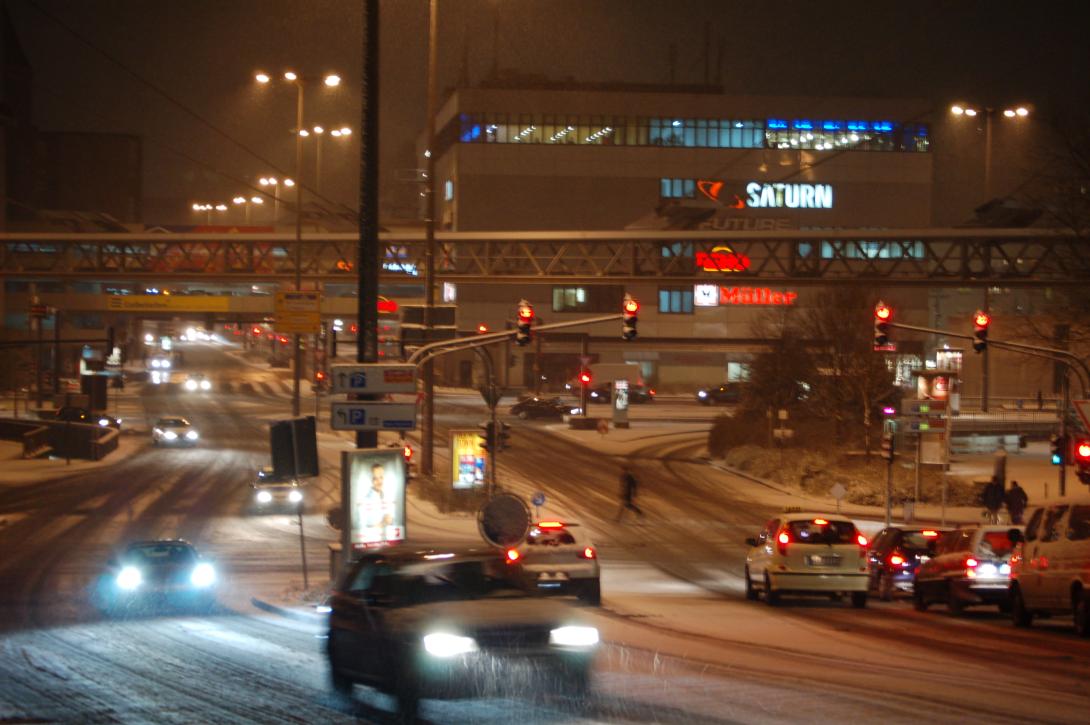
(970,567)
(896,560)
(550,524)
(588,553)
(861,540)
(513,555)
(782,540)
(971,562)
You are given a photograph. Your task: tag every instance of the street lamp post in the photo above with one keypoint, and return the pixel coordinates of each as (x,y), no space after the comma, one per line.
(319,133)
(208,208)
(299,82)
(247,203)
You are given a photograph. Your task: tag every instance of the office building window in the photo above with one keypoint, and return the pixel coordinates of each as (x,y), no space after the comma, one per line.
(676,300)
(677,188)
(569,299)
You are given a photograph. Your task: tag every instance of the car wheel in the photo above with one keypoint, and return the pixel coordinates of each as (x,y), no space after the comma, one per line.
(772,598)
(954,604)
(918,600)
(592,593)
(859,600)
(885,587)
(1020,615)
(751,593)
(1082,614)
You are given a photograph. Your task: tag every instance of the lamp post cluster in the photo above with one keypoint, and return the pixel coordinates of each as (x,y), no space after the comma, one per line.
(966,110)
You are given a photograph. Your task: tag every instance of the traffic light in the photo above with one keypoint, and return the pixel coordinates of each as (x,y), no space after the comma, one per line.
(981,320)
(630,311)
(407,452)
(584,378)
(256,331)
(883,315)
(1057,446)
(482,329)
(489,436)
(503,436)
(887,447)
(1082,459)
(320,379)
(525,320)
(109,342)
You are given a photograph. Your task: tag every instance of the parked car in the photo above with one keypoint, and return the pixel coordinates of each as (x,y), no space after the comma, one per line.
(725,394)
(970,567)
(75,414)
(542,408)
(636,394)
(895,554)
(807,553)
(1050,567)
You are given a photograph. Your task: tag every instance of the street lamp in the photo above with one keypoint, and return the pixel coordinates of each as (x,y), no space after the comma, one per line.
(319,133)
(208,208)
(299,81)
(963,109)
(247,203)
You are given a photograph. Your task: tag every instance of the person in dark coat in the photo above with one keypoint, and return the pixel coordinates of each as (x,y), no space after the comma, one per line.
(992,498)
(1016,500)
(629,486)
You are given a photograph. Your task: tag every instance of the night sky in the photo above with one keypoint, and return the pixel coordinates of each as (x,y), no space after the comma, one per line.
(204,54)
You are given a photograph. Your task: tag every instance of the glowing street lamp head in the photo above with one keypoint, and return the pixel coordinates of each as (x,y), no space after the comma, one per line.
(304,133)
(221,207)
(957,110)
(256,200)
(1021,111)
(290,76)
(262,77)
(345,131)
(196,207)
(318,129)
(1008,112)
(332,80)
(239,200)
(970,112)
(289,182)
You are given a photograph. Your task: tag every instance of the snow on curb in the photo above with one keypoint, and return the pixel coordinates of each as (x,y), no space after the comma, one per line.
(296,613)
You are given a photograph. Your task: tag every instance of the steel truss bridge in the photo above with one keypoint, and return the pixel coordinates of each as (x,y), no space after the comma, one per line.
(926,257)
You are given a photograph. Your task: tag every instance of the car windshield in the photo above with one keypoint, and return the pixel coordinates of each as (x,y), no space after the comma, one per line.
(459,581)
(915,541)
(820,531)
(549,537)
(995,543)
(172,423)
(161,554)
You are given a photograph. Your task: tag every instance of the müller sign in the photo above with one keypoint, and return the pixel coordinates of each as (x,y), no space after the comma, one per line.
(755,296)
(789,196)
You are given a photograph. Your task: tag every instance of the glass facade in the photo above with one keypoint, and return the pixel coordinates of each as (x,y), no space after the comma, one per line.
(726,133)
(676,300)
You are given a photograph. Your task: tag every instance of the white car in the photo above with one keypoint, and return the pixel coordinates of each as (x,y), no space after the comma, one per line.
(1050,566)
(198,382)
(174,432)
(557,559)
(807,553)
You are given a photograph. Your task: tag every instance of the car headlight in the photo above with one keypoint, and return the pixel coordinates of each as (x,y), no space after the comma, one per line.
(165,364)
(701,394)
(190,384)
(170,435)
(155,363)
(103,422)
(129,578)
(206,385)
(191,435)
(442,644)
(264,497)
(203,575)
(295,496)
(574,636)
(1004,569)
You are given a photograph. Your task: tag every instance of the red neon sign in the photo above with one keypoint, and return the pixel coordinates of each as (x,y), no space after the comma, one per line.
(756,296)
(722,259)
(386,305)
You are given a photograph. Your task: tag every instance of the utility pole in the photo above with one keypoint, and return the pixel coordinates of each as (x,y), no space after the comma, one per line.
(427,425)
(297,357)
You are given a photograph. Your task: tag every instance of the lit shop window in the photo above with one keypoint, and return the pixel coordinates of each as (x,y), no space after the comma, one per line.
(448,190)
(569,299)
(677,188)
(893,249)
(802,133)
(675,300)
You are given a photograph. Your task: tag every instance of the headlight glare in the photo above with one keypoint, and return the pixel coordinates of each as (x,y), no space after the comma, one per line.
(264,497)
(191,435)
(170,435)
(203,575)
(103,422)
(190,384)
(574,636)
(442,644)
(129,578)
(295,496)
(206,385)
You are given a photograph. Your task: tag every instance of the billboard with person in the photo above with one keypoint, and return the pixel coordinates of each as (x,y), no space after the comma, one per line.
(376,488)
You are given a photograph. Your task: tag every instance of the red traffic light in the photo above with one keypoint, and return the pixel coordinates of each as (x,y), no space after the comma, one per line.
(482,328)
(981,319)
(407,451)
(319,376)
(526,313)
(1082,451)
(256,330)
(631,306)
(584,378)
(883,312)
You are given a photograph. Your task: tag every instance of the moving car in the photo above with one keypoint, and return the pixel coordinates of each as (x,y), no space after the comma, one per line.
(452,624)
(174,432)
(196,382)
(725,394)
(636,394)
(542,408)
(154,574)
(807,553)
(1050,567)
(272,493)
(76,414)
(970,566)
(557,559)
(895,554)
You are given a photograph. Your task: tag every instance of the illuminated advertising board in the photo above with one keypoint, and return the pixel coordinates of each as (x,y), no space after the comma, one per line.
(376,495)
(765,195)
(468,459)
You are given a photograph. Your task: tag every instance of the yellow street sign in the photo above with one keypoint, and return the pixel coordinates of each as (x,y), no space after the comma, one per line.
(298,313)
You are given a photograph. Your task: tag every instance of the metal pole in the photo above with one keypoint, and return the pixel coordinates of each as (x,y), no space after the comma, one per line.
(57,351)
(988,113)
(297,353)
(486,358)
(38,358)
(984,364)
(427,427)
(538,342)
(303,549)
(889,488)
(919,466)
(583,355)
(318,162)
(1066,391)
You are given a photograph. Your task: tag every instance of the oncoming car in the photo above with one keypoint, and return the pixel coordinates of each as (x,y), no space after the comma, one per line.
(154,574)
(807,553)
(556,559)
(196,382)
(452,624)
(276,493)
(174,432)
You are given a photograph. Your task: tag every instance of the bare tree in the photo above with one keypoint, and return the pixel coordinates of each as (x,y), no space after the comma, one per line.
(778,376)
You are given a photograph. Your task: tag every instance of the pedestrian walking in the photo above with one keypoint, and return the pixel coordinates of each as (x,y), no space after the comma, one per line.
(1016,500)
(992,498)
(629,487)
(1040,400)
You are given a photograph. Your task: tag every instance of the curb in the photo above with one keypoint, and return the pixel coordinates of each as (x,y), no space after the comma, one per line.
(298,615)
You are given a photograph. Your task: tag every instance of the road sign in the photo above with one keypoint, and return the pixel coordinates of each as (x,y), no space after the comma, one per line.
(39,310)
(538,499)
(365,415)
(1082,407)
(298,312)
(926,408)
(838,491)
(374,378)
(924,425)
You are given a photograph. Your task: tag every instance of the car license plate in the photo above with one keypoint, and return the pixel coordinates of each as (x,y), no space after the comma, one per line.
(552,576)
(826,560)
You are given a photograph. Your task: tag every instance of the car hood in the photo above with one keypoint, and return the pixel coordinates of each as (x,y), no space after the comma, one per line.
(486,613)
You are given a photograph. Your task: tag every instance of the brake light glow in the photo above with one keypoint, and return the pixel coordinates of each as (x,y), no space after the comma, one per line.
(897,560)
(782,540)
(550,525)
(971,562)
(588,553)
(513,555)
(821,522)
(861,540)
(929,533)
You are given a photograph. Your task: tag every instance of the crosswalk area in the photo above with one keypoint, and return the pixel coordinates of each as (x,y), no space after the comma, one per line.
(261,389)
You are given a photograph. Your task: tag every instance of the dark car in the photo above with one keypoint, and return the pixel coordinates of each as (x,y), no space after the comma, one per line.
(452,624)
(541,408)
(636,394)
(151,575)
(76,414)
(894,556)
(726,394)
(970,566)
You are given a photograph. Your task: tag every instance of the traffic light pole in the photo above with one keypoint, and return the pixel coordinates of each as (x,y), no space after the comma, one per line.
(1066,391)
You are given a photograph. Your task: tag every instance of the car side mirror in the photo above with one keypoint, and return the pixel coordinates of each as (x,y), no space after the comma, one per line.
(751,541)
(1016,536)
